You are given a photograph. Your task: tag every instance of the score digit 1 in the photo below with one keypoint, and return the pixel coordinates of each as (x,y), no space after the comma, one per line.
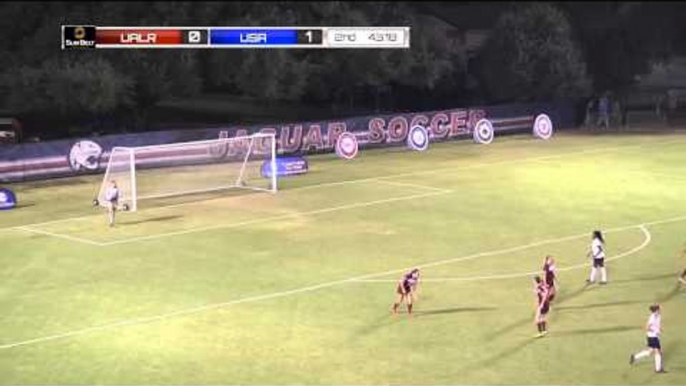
(309,36)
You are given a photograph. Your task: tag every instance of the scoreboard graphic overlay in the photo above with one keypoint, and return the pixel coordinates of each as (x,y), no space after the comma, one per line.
(89,36)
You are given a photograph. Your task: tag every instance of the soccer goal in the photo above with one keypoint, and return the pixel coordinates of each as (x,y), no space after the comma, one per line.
(177,169)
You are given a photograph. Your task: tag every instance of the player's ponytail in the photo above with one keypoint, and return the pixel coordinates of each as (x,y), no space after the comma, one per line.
(598,235)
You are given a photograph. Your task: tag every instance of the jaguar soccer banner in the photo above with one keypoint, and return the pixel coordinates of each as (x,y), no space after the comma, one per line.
(63,158)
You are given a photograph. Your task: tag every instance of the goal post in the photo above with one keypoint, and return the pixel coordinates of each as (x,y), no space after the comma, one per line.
(184,168)
(121,169)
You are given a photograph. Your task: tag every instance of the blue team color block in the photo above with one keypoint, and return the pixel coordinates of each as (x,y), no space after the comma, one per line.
(250,37)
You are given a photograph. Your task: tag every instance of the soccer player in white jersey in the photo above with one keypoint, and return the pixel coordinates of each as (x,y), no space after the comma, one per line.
(598,253)
(112,198)
(653,331)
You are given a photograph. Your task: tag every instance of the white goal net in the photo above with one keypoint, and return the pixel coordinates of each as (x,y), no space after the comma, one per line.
(191,167)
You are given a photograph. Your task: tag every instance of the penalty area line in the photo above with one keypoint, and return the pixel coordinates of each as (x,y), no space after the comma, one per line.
(60,236)
(412,185)
(647,238)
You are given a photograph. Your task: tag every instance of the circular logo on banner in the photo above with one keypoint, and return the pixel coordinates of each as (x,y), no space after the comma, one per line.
(85,155)
(7,199)
(346,146)
(543,127)
(483,132)
(418,139)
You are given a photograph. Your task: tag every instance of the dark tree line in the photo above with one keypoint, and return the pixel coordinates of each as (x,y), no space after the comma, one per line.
(537,51)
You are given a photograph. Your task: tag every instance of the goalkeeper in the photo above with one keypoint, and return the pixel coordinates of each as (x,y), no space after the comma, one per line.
(112,198)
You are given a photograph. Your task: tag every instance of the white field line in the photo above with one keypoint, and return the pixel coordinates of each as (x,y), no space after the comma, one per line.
(274,295)
(408,174)
(276,218)
(61,236)
(418,186)
(646,240)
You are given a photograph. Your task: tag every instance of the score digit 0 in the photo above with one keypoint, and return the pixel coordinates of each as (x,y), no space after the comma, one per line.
(195,37)
(309,36)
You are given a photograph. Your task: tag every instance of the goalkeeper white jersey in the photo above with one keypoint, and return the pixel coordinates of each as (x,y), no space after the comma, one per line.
(112,194)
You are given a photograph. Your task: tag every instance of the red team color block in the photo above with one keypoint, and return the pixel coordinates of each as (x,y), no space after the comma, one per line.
(139,36)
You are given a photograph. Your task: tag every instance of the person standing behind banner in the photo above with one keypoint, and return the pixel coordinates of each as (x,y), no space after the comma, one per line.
(616,112)
(589,113)
(604,111)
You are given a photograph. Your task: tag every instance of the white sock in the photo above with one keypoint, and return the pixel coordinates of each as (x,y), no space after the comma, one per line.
(603,273)
(642,354)
(658,361)
(592,274)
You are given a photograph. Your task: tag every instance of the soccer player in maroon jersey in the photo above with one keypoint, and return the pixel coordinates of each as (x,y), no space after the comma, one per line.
(406,289)
(543,305)
(549,276)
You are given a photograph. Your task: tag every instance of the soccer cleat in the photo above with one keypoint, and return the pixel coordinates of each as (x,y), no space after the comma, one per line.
(632,359)
(663,371)
(682,279)
(539,335)
(603,282)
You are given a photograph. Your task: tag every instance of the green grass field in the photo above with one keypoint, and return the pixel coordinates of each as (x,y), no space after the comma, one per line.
(295,288)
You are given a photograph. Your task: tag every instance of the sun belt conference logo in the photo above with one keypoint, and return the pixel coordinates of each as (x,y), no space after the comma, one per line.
(85,156)
(543,126)
(483,132)
(346,146)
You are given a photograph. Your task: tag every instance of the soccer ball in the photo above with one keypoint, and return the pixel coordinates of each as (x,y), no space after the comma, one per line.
(125,207)
(96,202)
